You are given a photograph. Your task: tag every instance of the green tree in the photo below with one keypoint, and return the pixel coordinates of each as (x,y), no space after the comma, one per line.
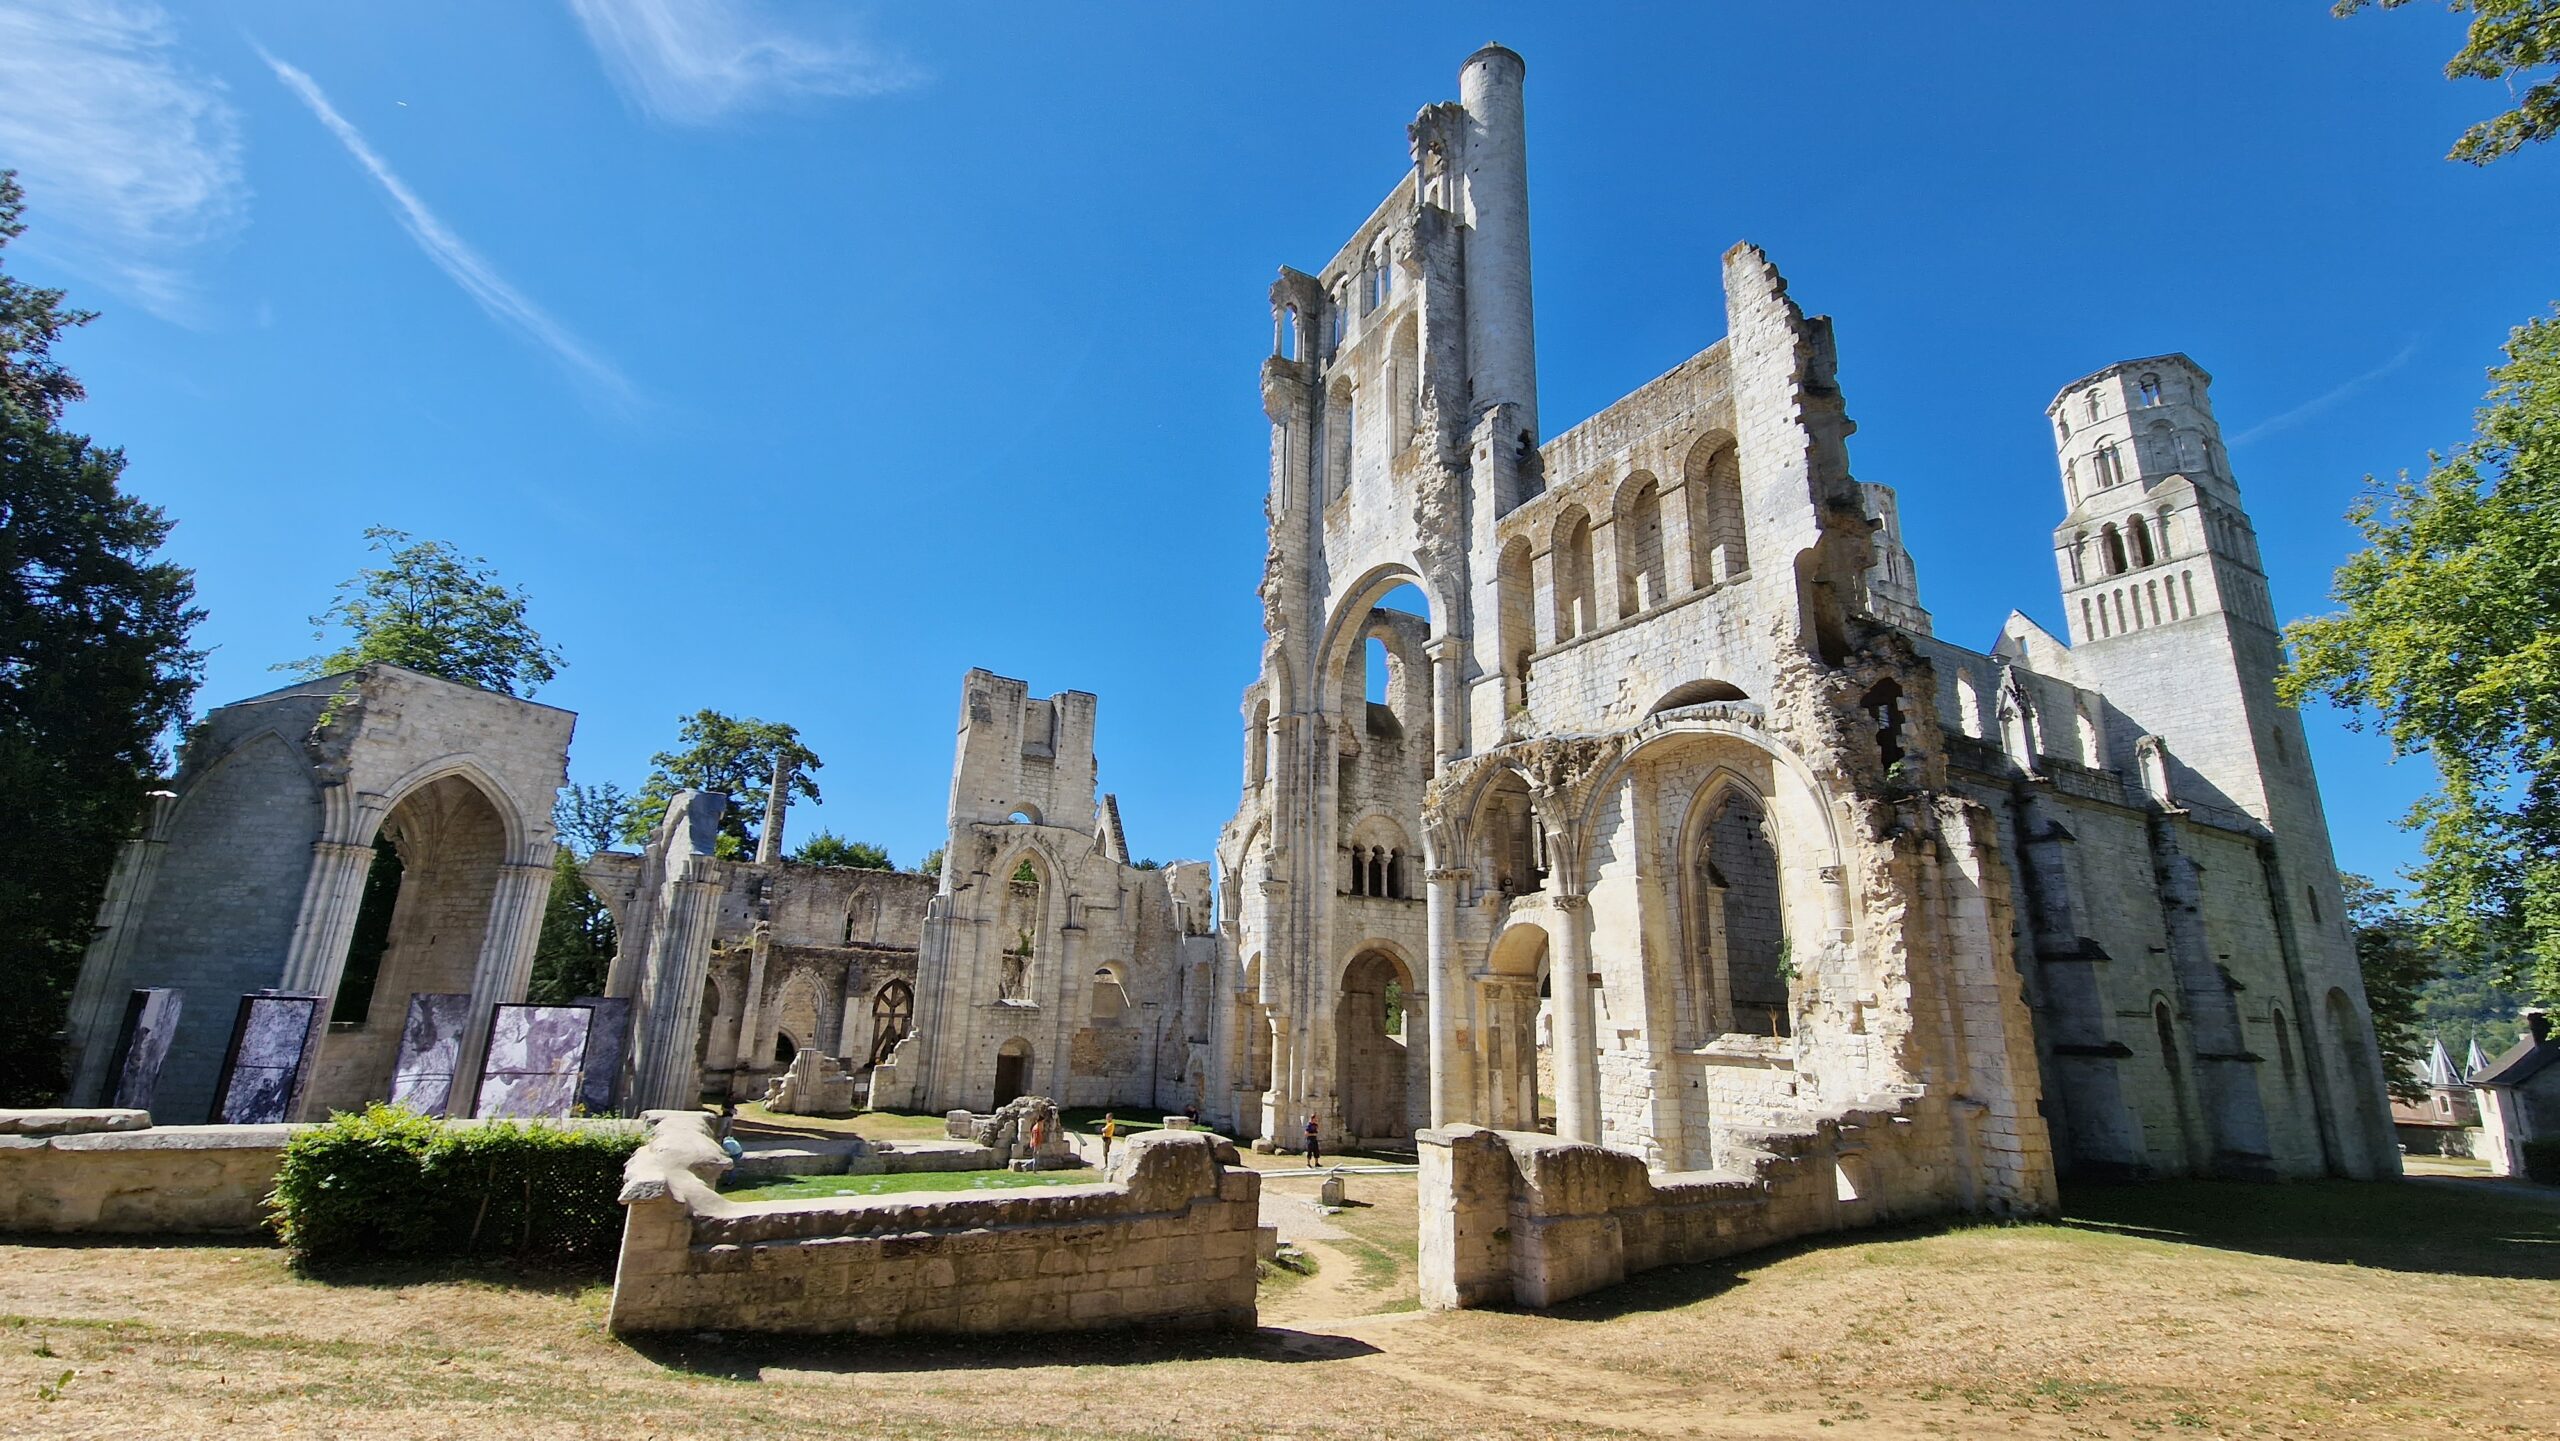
(2507,39)
(2393,954)
(2448,640)
(430,609)
(591,818)
(826,848)
(577,943)
(732,756)
(931,865)
(94,670)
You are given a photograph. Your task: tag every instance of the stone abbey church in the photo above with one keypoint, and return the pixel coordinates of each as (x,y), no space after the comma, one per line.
(1677,831)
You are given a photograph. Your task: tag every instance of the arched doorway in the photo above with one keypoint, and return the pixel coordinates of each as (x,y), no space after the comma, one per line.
(1371,1047)
(1507,1029)
(1013,1070)
(420,928)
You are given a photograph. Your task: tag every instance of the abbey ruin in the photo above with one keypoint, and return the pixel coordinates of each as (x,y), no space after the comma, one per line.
(1684,891)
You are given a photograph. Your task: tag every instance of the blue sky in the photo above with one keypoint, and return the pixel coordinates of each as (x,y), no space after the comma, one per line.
(797,358)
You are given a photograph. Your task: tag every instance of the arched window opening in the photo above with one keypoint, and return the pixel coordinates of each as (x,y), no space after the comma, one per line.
(2189,577)
(1288,337)
(1883,705)
(1019,931)
(1110,996)
(1573,577)
(2313,897)
(2152,587)
(1718,549)
(1969,700)
(784,1049)
(2087,626)
(1257,745)
(2121,623)
(2141,535)
(2150,389)
(372,937)
(893,1011)
(2093,405)
(2062,423)
(2111,549)
(1742,951)
(1638,528)
(1514,863)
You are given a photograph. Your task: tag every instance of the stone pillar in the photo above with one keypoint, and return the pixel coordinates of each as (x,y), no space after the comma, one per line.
(505,968)
(777,799)
(1277,1123)
(668,1078)
(751,1049)
(1577,1050)
(327,920)
(1448,698)
(1448,1093)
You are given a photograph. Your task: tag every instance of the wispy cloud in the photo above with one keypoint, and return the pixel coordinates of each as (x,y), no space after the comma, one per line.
(130,161)
(451,253)
(691,62)
(2332,396)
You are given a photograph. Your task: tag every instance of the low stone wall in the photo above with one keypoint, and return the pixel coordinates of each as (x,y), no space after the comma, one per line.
(114,1172)
(1517,1218)
(1167,1236)
(781,1163)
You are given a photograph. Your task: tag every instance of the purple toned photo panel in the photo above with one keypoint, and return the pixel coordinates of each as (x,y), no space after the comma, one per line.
(269,1046)
(534,1057)
(430,1047)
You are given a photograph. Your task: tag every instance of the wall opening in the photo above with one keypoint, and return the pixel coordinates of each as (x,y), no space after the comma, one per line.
(1741,953)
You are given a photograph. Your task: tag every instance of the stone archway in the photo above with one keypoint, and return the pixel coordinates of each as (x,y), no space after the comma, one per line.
(1013,1071)
(1375,1061)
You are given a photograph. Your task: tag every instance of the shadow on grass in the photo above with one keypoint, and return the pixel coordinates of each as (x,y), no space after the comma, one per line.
(732,1356)
(536,1277)
(1668,1288)
(2434,1225)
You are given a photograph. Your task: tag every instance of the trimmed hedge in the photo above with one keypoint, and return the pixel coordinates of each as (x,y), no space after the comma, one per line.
(2541,1160)
(388,1182)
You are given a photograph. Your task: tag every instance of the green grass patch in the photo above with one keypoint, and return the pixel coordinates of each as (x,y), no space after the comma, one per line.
(815,1188)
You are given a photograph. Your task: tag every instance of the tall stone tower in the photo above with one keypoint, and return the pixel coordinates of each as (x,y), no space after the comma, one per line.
(2170,620)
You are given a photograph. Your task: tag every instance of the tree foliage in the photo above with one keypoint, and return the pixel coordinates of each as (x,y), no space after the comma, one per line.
(429,608)
(826,848)
(732,756)
(94,670)
(2507,39)
(2448,639)
(591,818)
(2393,954)
(576,946)
(931,865)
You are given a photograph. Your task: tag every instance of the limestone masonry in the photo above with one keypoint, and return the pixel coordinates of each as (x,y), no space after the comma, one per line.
(1679,890)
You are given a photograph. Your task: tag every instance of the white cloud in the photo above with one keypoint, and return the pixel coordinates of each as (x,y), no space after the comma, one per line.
(131,163)
(468,268)
(691,62)
(2319,403)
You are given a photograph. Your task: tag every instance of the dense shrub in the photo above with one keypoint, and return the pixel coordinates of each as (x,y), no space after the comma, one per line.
(388,1182)
(2542,1160)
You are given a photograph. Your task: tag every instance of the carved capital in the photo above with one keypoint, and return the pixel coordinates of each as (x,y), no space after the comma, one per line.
(1570,901)
(1448,875)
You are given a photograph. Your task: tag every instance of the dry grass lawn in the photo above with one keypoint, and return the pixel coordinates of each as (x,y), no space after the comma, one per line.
(2425,1308)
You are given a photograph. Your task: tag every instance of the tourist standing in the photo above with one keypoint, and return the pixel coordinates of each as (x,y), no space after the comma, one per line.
(1110,1133)
(1312,1158)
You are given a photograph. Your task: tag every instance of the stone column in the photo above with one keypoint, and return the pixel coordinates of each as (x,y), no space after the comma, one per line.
(668,1077)
(504,970)
(327,919)
(751,1048)
(1448,697)
(776,801)
(1577,1051)
(1448,1096)
(1276,1120)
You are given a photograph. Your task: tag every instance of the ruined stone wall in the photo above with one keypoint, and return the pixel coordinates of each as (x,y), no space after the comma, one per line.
(141,1181)
(252,877)
(1167,1237)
